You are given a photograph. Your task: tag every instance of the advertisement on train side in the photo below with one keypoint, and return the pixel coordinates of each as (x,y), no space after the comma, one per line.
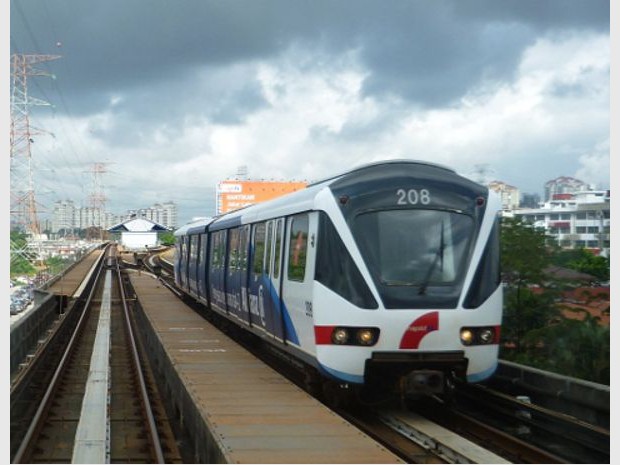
(233,194)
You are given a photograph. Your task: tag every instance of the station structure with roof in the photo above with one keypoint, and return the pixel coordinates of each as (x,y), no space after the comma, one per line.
(138,233)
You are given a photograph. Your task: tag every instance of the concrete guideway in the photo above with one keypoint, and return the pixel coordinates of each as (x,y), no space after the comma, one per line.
(238,409)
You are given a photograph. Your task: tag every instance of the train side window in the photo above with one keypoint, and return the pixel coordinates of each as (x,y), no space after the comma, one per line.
(298,245)
(258,248)
(488,275)
(268,246)
(336,269)
(276,265)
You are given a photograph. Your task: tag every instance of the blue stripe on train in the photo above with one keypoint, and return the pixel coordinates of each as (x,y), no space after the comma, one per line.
(289,329)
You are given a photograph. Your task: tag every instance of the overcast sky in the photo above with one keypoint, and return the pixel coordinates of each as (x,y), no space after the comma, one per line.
(176,95)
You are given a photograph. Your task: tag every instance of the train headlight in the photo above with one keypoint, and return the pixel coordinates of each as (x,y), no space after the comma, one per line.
(467,336)
(486,335)
(340,336)
(366,337)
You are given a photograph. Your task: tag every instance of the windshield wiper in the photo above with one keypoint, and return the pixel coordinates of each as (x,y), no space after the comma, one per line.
(438,255)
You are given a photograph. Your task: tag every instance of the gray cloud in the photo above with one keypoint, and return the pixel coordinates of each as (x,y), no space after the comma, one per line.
(144,81)
(427,52)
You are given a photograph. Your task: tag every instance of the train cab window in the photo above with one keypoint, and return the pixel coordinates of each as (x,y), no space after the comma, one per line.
(416,257)
(298,245)
(258,248)
(276,258)
(336,269)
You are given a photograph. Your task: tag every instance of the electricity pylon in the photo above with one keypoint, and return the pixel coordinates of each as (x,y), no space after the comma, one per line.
(23,201)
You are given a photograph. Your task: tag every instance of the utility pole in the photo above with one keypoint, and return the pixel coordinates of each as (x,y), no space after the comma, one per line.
(23,202)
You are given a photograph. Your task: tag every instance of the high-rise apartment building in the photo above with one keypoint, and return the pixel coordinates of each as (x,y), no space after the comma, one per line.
(64,216)
(508,193)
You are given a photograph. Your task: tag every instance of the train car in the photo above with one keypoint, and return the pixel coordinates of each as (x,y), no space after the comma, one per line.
(385,277)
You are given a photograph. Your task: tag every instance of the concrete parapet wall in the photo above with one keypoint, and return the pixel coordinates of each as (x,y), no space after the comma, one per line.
(582,399)
(28,331)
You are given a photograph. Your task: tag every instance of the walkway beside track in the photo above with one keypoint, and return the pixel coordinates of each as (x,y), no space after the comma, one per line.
(69,283)
(236,408)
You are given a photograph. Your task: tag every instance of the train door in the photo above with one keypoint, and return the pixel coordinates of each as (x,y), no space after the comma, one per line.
(260,285)
(180,269)
(184,262)
(216,270)
(233,272)
(298,278)
(193,263)
(245,263)
(201,273)
(274,311)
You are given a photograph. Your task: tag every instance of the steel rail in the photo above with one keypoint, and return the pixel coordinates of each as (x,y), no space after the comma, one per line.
(146,405)
(53,385)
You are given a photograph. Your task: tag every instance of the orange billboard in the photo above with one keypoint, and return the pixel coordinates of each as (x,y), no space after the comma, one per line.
(233,194)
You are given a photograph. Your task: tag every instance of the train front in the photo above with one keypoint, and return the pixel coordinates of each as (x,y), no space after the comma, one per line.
(420,302)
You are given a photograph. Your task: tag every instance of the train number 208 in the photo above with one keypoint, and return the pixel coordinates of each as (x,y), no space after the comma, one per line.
(413,197)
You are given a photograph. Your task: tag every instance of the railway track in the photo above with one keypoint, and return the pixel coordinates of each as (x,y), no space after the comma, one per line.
(99,406)
(403,432)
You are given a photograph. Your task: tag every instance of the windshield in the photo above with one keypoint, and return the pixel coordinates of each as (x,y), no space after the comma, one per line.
(416,257)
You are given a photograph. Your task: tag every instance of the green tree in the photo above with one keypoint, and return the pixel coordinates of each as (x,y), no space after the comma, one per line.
(167,238)
(524,256)
(574,347)
(56,264)
(595,265)
(19,263)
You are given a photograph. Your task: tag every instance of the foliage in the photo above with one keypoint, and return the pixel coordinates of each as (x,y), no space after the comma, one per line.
(167,238)
(56,264)
(19,264)
(524,252)
(534,330)
(526,311)
(584,261)
(579,348)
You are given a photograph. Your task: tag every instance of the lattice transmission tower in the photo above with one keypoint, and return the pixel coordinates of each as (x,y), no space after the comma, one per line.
(23,201)
(97,198)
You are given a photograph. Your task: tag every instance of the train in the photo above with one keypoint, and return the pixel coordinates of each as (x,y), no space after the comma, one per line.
(384,278)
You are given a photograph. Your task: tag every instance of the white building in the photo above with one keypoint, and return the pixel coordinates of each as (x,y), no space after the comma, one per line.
(138,233)
(63,216)
(579,219)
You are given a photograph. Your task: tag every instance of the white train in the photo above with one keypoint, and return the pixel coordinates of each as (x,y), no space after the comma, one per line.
(384,277)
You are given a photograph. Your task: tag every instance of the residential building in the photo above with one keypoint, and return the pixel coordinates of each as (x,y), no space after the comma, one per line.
(509,194)
(64,216)
(579,219)
(564,185)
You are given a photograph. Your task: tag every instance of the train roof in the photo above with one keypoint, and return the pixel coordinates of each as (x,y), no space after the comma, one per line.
(199,225)
(301,200)
(382,163)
